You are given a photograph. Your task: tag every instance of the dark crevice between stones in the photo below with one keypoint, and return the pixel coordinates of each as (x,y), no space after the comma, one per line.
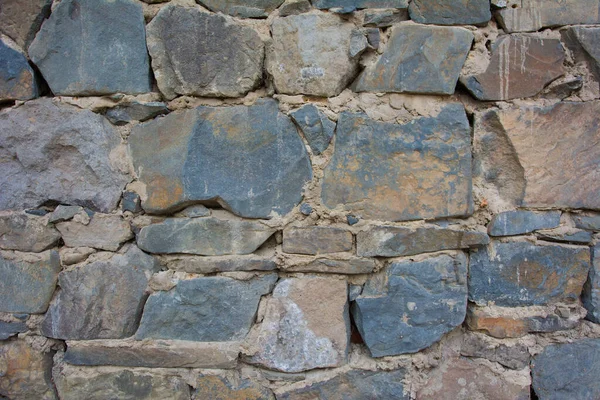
(533,396)
(355,336)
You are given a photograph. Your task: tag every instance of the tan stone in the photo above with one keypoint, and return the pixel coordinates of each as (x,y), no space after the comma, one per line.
(104,231)
(216,387)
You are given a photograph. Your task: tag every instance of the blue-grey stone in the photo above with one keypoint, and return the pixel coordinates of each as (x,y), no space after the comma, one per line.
(589,222)
(131,202)
(316,127)
(17,78)
(591,289)
(570,236)
(358,4)
(251,160)
(516,274)
(412,305)
(352,220)
(306,209)
(9,329)
(135,111)
(242,8)
(395,172)
(213,309)
(450,12)
(418,59)
(24,232)
(93,47)
(518,222)
(568,371)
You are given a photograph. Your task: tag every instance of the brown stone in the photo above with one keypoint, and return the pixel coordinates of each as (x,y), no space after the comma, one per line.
(216,387)
(21,19)
(316,240)
(104,231)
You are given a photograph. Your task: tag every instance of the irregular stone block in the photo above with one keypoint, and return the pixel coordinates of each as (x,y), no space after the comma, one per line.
(389,241)
(563,88)
(25,232)
(357,4)
(583,43)
(350,266)
(17,78)
(131,202)
(21,19)
(242,8)
(250,159)
(64,213)
(210,265)
(216,387)
(518,222)
(590,222)
(568,371)
(561,172)
(401,172)
(383,19)
(418,59)
(186,60)
(194,211)
(412,304)
(513,356)
(591,290)
(203,236)
(27,281)
(316,240)
(306,326)
(324,68)
(101,300)
(566,235)
(135,111)
(58,152)
(294,7)
(104,232)
(450,12)
(520,66)
(522,274)
(9,329)
(316,127)
(212,309)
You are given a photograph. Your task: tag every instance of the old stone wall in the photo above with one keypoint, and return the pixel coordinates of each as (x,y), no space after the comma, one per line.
(324,199)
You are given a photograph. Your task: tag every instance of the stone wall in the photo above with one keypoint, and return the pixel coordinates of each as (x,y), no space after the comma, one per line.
(325,199)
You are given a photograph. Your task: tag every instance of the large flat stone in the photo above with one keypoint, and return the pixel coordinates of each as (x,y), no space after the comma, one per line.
(202,54)
(104,232)
(25,232)
(21,19)
(520,66)
(519,222)
(591,290)
(450,12)
(522,274)
(540,156)
(316,240)
(395,172)
(418,59)
(58,152)
(212,309)
(242,8)
(17,78)
(412,304)
(249,159)
(79,33)
(216,387)
(357,4)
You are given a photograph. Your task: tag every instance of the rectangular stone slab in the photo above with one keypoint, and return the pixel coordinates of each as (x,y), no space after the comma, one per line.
(316,240)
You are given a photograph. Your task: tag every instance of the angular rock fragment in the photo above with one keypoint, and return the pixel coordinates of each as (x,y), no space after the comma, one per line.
(566,235)
(202,54)
(79,33)
(135,111)
(306,326)
(216,387)
(249,159)
(513,356)
(450,12)
(412,304)
(212,309)
(591,290)
(563,88)
(64,213)
(590,222)
(242,8)
(384,18)
(316,240)
(349,266)
(583,43)
(394,172)
(9,329)
(209,265)
(357,4)
(25,232)
(520,66)
(21,19)
(17,78)
(512,223)
(104,232)
(131,202)
(418,59)
(316,127)
(294,7)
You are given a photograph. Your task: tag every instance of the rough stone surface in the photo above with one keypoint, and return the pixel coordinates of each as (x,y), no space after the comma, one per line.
(522,274)
(568,371)
(306,325)
(591,290)
(583,43)
(196,53)
(316,127)
(42,142)
(79,33)
(250,159)
(135,111)
(518,222)
(450,12)
(209,265)
(589,222)
(323,68)
(9,329)
(212,309)
(27,281)
(563,169)
(294,7)
(389,241)
(64,213)
(512,355)
(131,202)
(104,232)
(194,211)
(418,59)
(24,232)
(357,4)
(100,300)
(215,387)
(412,304)
(393,172)
(350,266)
(17,78)
(316,240)
(21,19)
(203,236)
(242,8)
(520,66)
(382,19)
(567,236)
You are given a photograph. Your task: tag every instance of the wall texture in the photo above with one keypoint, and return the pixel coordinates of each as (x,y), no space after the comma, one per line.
(325,199)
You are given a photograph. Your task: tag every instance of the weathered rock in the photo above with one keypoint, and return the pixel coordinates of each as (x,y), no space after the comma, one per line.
(242,8)
(215,387)
(81,32)
(520,66)
(418,59)
(316,240)
(566,235)
(226,62)
(306,209)
(27,281)
(316,127)
(135,111)
(412,304)
(58,152)
(203,236)
(357,4)
(25,372)
(450,12)
(390,241)
(522,274)
(294,7)
(17,78)
(583,43)
(563,88)
(250,159)
(212,309)
(591,290)
(132,202)
(401,172)
(25,232)
(70,256)
(354,385)
(350,266)
(194,211)
(589,222)
(518,222)
(9,329)
(562,170)
(21,19)
(306,325)
(64,213)
(104,231)
(568,371)
(384,18)
(210,265)
(513,356)
(325,67)
(533,15)
(101,300)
